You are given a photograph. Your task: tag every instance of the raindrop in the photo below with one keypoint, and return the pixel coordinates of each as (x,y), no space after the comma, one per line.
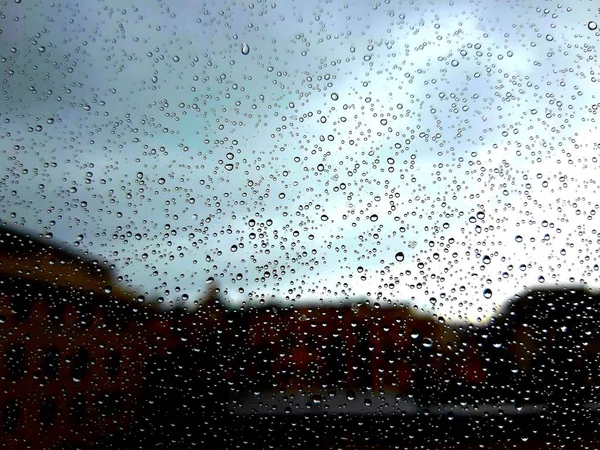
(519,238)
(487,293)
(592,25)
(374,218)
(350,395)
(334,96)
(399,256)
(245,49)
(324,218)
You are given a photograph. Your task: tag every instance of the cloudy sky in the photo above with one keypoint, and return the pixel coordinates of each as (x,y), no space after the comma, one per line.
(443,153)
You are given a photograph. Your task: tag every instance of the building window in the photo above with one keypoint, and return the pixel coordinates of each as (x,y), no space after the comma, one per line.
(77,408)
(11,415)
(48,412)
(16,362)
(113,365)
(51,364)
(81,362)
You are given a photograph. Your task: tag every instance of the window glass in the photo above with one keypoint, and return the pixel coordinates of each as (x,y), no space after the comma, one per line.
(324,223)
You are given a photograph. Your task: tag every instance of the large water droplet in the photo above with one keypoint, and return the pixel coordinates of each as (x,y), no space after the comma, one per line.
(487,293)
(592,25)
(245,49)
(399,257)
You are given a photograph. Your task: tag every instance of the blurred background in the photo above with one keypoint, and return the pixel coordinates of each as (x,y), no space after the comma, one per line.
(258,216)
(88,366)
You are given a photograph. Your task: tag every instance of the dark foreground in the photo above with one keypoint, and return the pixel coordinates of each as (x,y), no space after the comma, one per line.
(423,431)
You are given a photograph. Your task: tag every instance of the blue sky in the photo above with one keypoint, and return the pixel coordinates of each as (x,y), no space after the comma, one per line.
(459,134)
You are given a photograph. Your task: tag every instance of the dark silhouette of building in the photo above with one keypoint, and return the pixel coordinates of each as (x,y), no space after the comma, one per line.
(74,349)
(87,365)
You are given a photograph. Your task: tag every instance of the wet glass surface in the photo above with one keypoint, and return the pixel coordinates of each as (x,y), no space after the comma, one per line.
(299,224)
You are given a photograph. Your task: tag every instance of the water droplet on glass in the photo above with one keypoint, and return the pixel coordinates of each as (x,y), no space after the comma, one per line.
(487,293)
(592,25)
(245,49)
(374,218)
(399,256)
(334,96)
(350,395)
